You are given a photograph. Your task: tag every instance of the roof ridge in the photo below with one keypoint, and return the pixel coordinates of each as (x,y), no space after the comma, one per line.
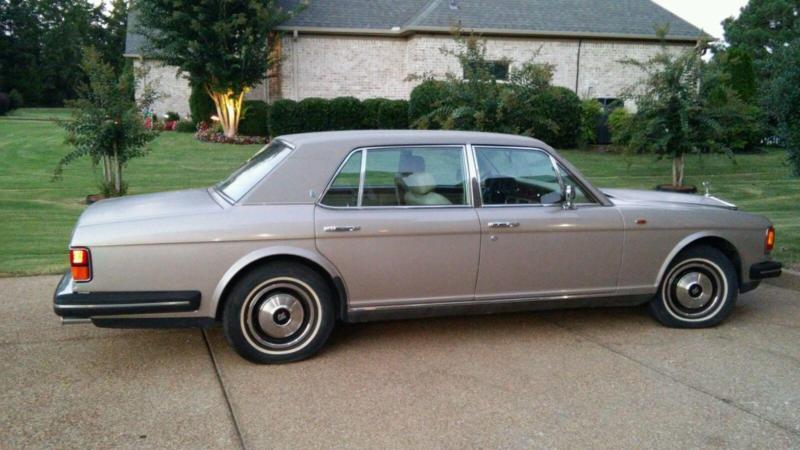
(424,12)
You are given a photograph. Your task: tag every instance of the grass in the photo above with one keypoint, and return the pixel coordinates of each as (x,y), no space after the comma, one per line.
(39,114)
(37,214)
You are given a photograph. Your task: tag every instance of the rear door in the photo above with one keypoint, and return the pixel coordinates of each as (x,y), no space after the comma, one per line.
(531,247)
(399,225)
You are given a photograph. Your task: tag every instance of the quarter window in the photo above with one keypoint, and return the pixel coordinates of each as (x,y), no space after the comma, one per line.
(401,176)
(511,176)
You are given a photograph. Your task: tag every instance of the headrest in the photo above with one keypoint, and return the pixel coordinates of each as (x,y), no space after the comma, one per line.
(420,183)
(411,164)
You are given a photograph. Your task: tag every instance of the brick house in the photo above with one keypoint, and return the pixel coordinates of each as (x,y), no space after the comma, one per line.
(368,48)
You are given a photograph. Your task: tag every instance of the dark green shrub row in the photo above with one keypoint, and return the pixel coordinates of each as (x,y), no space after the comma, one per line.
(342,113)
(200,105)
(5,104)
(255,119)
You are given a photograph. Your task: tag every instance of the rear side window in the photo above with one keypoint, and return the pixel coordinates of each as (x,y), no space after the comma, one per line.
(401,177)
(254,170)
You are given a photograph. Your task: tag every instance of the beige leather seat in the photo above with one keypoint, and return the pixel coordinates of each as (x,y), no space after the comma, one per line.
(419,190)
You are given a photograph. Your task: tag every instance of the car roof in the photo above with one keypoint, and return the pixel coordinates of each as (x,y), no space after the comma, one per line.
(367,138)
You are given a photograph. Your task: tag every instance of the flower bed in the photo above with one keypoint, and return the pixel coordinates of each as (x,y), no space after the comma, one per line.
(207,133)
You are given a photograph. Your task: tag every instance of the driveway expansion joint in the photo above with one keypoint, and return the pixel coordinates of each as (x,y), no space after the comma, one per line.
(224,390)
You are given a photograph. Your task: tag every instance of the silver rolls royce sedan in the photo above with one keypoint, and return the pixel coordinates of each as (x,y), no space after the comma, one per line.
(374,225)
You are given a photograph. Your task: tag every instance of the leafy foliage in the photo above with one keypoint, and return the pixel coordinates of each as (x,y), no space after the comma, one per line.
(283,118)
(16,100)
(107,125)
(313,114)
(346,113)
(223,46)
(255,121)
(5,103)
(785,97)
(426,97)
(201,106)
(392,114)
(591,114)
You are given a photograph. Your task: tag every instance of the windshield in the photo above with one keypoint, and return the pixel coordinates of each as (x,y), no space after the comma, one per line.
(254,170)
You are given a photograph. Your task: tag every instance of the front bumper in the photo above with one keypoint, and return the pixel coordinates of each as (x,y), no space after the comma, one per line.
(72,305)
(766,269)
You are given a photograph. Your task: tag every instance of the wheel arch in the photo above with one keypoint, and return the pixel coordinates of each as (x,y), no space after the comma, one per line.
(290,254)
(704,238)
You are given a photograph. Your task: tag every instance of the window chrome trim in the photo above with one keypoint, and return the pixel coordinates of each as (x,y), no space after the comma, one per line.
(553,162)
(362,176)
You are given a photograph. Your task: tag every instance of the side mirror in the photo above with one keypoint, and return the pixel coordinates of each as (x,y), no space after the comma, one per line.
(569,197)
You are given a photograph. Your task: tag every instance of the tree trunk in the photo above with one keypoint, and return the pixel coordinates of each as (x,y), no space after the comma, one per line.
(106,170)
(677,170)
(229,109)
(117,173)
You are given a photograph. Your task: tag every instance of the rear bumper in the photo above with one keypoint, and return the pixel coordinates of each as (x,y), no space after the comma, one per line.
(97,305)
(766,269)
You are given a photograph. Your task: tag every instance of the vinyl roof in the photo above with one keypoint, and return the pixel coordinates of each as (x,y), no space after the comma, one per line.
(618,19)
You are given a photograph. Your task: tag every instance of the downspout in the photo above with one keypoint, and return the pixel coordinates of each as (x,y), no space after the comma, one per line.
(578,69)
(295,58)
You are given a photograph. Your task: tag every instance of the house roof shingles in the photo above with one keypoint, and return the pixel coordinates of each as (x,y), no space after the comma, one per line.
(588,18)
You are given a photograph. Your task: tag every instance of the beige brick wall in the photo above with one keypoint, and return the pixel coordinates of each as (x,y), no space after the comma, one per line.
(365,67)
(173,89)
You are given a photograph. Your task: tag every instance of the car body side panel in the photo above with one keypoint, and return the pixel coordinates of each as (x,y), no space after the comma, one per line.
(402,255)
(651,246)
(192,253)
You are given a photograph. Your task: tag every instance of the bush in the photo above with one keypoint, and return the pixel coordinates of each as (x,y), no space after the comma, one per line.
(563,108)
(173,116)
(313,114)
(255,120)
(371,107)
(591,115)
(393,114)
(283,118)
(201,105)
(425,98)
(15,99)
(185,126)
(346,113)
(619,122)
(5,103)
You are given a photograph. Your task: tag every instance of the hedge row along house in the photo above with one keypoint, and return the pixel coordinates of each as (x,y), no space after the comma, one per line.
(381,48)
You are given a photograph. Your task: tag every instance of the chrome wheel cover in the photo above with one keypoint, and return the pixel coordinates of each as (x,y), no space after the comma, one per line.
(280,314)
(695,290)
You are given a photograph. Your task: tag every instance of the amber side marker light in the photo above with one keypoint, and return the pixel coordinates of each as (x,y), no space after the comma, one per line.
(80,264)
(769,241)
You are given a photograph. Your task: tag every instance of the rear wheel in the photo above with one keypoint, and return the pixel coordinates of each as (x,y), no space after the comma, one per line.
(279,312)
(698,290)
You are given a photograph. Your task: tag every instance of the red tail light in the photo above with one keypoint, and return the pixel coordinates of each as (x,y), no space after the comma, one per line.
(769,241)
(81,264)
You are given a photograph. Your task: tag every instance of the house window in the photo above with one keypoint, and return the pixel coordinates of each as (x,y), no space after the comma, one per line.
(497,69)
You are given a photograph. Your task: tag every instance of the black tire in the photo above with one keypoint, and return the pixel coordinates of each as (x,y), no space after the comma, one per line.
(268,303)
(699,289)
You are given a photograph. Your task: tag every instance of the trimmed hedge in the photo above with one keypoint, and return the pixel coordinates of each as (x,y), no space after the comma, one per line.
(283,118)
(371,108)
(313,114)
(15,99)
(563,107)
(425,98)
(255,120)
(200,105)
(393,115)
(346,113)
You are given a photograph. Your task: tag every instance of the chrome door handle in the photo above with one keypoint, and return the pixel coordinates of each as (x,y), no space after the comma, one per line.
(341,229)
(503,224)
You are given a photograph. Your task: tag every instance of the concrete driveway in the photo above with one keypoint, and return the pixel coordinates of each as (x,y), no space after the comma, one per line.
(599,378)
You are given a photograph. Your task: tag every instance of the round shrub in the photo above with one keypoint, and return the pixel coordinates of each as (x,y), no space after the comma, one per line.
(15,99)
(283,118)
(370,119)
(562,108)
(201,105)
(393,115)
(5,103)
(346,113)
(313,114)
(185,126)
(425,98)
(255,120)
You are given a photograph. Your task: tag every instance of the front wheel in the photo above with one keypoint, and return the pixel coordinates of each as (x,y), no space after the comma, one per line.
(278,313)
(699,290)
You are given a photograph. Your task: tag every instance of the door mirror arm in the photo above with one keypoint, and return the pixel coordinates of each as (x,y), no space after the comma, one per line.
(569,197)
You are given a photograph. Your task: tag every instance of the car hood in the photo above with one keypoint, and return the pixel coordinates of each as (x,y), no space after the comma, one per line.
(148,206)
(618,196)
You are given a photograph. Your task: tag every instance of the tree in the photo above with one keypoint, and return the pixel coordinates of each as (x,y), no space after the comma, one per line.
(676,114)
(224,46)
(785,96)
(108,34)
(764,26)
(106,124)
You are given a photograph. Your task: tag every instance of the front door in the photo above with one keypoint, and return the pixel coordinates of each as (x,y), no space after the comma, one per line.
(530,246)
(398,224)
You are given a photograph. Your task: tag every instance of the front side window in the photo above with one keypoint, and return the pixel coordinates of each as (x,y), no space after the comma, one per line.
(516,176)
(401,176)
(581,197)
(254,170)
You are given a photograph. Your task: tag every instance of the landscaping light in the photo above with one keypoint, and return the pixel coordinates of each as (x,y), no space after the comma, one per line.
(215,118)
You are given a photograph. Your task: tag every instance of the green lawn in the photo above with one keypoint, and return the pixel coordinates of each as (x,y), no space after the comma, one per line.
(37,214)
(39,114)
